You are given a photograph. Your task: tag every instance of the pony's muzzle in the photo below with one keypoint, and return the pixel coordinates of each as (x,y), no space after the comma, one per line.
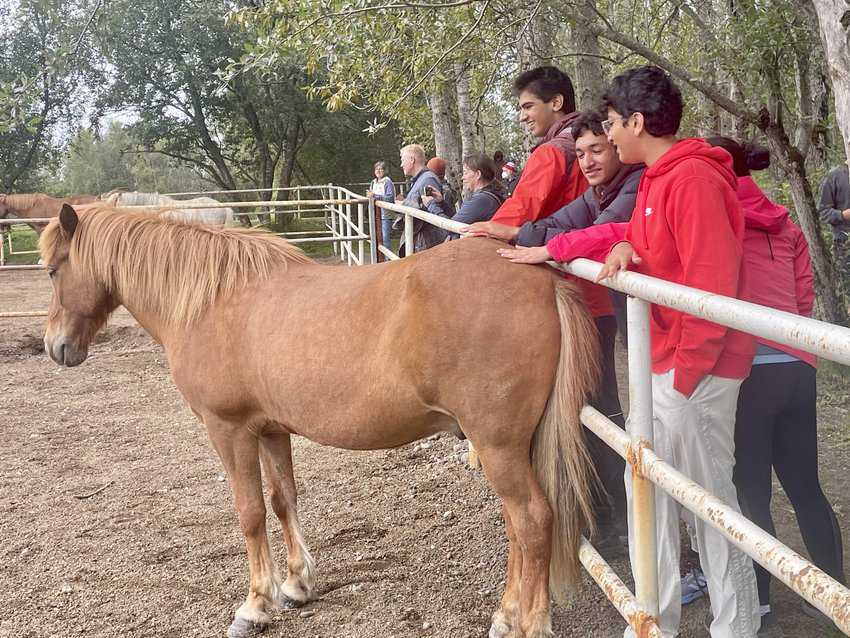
(64,353)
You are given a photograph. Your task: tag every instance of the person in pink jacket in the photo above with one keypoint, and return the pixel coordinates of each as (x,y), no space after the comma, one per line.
(776,420)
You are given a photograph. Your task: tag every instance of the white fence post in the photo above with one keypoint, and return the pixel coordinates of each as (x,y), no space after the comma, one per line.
(641,431)
(408,235)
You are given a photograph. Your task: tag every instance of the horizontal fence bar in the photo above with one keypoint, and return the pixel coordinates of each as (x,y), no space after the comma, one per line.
(286,203)
(246,190)
(15,315)
(616,591)
(305,240)
(826,340)
(23,267)
(810,582)
(431,218)
(22,221)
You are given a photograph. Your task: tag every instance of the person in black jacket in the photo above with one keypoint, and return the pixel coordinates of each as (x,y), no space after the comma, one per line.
(834,209)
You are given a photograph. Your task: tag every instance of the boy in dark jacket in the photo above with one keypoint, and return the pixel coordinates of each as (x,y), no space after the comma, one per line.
(688,228)
(834,209)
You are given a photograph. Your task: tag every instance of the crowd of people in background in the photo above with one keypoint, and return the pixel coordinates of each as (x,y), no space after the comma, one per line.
(617,185)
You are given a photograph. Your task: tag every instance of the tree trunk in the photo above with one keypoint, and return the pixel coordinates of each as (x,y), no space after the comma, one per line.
(470,138)
(834,21)
(588,71)
(447,142)
(535,49)
(793,166)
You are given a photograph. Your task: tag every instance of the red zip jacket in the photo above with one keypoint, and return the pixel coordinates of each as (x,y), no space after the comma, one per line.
(776,260)
(550,180)
(688,228)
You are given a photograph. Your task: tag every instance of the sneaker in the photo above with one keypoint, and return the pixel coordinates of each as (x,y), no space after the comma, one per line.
(770,627)
(694,586)
(813,612)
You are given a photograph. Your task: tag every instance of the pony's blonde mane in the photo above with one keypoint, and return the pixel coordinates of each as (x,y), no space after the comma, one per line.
(174,269)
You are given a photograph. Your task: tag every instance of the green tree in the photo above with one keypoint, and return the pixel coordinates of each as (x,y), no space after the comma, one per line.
(40,72)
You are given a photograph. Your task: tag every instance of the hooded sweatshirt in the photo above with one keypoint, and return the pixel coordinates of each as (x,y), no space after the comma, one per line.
(688,228)
(777,264)
(551,179)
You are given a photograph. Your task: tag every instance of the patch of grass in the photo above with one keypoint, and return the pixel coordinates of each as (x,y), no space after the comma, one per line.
(22,239)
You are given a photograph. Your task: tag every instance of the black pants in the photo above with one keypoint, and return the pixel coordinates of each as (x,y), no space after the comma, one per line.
(776,426)
(610,507)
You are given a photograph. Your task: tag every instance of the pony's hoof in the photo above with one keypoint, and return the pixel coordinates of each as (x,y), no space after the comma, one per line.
(499,629)
(290,603)
(244,628)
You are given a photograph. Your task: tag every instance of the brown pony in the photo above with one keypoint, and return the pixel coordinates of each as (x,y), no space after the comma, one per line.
(453,339)
(38,205)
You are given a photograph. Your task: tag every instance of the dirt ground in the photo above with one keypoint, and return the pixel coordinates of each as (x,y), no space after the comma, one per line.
(116,518)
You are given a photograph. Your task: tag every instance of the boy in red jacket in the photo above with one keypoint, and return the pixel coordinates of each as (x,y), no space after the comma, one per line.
(688,228)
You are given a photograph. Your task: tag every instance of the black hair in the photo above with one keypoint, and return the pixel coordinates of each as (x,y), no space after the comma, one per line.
(745,157)
(499,157)
(650,91)
(546,82)
(587,121)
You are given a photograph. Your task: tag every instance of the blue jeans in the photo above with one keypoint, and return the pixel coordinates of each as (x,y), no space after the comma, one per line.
(386,230)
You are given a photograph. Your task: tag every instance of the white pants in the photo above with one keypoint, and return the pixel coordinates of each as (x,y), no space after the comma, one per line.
(696,436)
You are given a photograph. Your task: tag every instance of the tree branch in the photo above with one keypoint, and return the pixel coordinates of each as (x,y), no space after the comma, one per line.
(450,50)
(711,92)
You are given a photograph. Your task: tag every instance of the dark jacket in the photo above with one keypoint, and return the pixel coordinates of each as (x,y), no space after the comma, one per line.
(603,204)
(424,234)
(835,198)
(477,207)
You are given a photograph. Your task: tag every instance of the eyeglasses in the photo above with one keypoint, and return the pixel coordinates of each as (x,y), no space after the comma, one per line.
(608,124)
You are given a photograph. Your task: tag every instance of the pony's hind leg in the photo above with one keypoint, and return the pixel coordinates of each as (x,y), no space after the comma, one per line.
(513,479)
(506,617)
(276,455)
(238,449)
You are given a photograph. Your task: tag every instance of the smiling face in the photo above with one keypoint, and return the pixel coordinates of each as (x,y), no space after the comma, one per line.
(79,306)
(623,133)
(597,158)
(380,172)
(537,115)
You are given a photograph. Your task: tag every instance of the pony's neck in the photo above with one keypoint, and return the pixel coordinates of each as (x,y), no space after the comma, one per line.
(149,321)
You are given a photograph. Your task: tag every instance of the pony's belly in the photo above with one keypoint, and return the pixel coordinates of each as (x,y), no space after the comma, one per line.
(375,434)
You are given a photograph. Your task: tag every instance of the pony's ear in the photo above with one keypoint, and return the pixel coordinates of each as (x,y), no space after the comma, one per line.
(68,220)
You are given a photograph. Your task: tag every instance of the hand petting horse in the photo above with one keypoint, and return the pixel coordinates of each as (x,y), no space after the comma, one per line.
(454,339)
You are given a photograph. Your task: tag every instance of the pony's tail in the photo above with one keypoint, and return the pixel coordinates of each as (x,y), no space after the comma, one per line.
(558,452)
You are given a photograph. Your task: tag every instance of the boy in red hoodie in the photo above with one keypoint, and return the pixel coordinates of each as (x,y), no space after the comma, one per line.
(688,228)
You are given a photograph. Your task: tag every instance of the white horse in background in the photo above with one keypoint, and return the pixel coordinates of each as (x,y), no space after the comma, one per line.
(210,216)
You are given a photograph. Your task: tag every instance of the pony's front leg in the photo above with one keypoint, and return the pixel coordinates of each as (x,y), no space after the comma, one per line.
(238,449)
(276,455)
